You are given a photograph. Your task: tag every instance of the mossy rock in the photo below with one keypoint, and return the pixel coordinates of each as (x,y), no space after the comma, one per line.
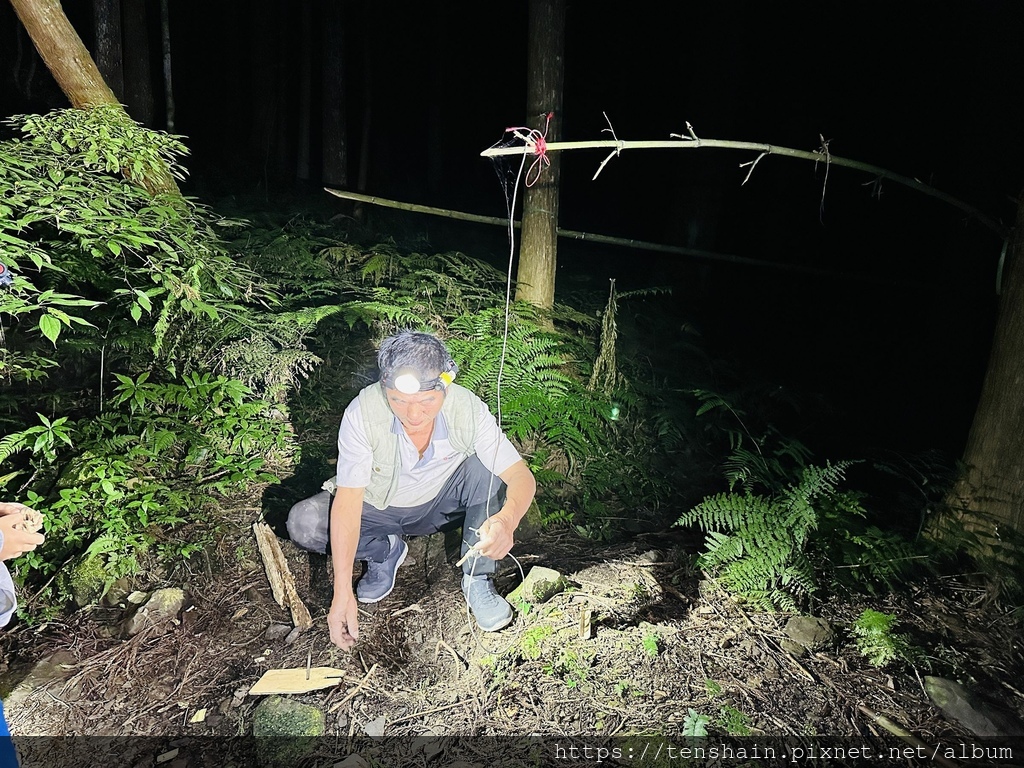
(286,730)
(85,581)
(539,586)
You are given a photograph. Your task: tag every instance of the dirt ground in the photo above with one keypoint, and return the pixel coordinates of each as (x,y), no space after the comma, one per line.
(664,646)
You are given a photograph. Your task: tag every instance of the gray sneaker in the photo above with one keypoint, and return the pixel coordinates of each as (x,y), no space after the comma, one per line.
(379,579)
(491,610)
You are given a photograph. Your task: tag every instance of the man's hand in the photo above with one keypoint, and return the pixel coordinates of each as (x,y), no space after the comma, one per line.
(343,619)
(19,526)
(496,537)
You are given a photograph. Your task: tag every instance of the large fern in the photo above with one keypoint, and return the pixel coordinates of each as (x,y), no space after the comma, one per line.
(756,544)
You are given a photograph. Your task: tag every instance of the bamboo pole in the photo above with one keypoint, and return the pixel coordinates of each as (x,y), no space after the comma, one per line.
(590,237)
(691,142)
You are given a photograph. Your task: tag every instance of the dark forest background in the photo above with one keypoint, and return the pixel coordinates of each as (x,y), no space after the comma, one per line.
(880,305)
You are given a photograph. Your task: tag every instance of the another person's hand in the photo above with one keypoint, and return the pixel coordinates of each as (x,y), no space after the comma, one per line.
(496,537)
(343,619)
(19,526)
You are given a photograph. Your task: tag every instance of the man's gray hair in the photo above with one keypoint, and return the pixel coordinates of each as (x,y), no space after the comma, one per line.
(422,354)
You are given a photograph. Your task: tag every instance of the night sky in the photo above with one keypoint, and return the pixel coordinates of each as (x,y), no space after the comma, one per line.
(896,335)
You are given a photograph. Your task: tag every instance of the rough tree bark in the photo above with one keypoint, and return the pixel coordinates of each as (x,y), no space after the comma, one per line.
(108,49)
(535,280)
(73,68)
(990,494)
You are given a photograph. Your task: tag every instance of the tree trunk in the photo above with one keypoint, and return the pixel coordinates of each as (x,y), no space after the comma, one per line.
(64,53)
(165,50)
(303,139)
(335,137)
(990,493)
(535,281)
(138,75)
(73,68)
(107,23)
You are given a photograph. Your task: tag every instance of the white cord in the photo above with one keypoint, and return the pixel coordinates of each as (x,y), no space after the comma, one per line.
(501,371)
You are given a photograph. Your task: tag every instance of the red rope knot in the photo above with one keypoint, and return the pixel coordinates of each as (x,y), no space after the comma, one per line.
(537,142)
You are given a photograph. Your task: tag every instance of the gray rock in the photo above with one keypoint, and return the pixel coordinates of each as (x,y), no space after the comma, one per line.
(963,706)
(162,608)
(811,632)
(539,586)
(54,667)
(375,728)
(277,632)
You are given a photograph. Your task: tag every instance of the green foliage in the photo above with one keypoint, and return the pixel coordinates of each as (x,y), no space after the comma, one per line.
(651,644)
(571,665)
(122,479)
(167,346)
(756,544)
(784,529)
(732,721)
(695,725)
(532,640)
(876,641)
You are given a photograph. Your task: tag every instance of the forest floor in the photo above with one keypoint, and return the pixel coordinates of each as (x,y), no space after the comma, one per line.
(664,647)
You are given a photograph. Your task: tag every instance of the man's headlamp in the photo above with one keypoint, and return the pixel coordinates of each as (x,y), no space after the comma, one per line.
(408,383)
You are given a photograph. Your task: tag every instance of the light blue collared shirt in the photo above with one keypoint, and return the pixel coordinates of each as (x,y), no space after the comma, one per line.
(8,601)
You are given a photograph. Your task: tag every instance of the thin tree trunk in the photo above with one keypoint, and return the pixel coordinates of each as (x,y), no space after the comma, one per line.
(359,210)
(990,494)
(335,136)
(535,280)
(75,71)
(107,24)
(305,91)
(445,20)
(138,76)
(165,48)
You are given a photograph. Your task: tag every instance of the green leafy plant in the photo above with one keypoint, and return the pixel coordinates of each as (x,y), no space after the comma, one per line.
(572,666)
(651,644)
(531,643)
(756,543)
(733,721)
(695,725)
(876,640)
(165,342)
(785,529)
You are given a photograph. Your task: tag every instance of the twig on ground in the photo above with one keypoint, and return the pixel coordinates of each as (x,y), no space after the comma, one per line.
(414,715)
(360,686)
(459,661)
(414,607)
(897,730)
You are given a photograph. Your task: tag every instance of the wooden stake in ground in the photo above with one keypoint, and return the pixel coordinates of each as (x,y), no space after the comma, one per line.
(282,583)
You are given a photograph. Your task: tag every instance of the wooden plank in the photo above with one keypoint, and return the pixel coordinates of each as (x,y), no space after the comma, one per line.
(299,680)
(282,583)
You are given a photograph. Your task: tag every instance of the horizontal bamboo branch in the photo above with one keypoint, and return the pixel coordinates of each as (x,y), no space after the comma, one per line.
(763,149)
(590,237)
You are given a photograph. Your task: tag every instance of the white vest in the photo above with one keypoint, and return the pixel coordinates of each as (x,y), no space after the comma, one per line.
(461,409)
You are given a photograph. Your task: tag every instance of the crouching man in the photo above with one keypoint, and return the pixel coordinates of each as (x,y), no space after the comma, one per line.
(416,454)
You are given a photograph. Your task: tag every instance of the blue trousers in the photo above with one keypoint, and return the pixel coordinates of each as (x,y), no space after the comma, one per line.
(463,501)
(8,757)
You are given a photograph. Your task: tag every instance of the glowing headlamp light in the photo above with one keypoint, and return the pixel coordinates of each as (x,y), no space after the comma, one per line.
(407,384)
(406,380)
